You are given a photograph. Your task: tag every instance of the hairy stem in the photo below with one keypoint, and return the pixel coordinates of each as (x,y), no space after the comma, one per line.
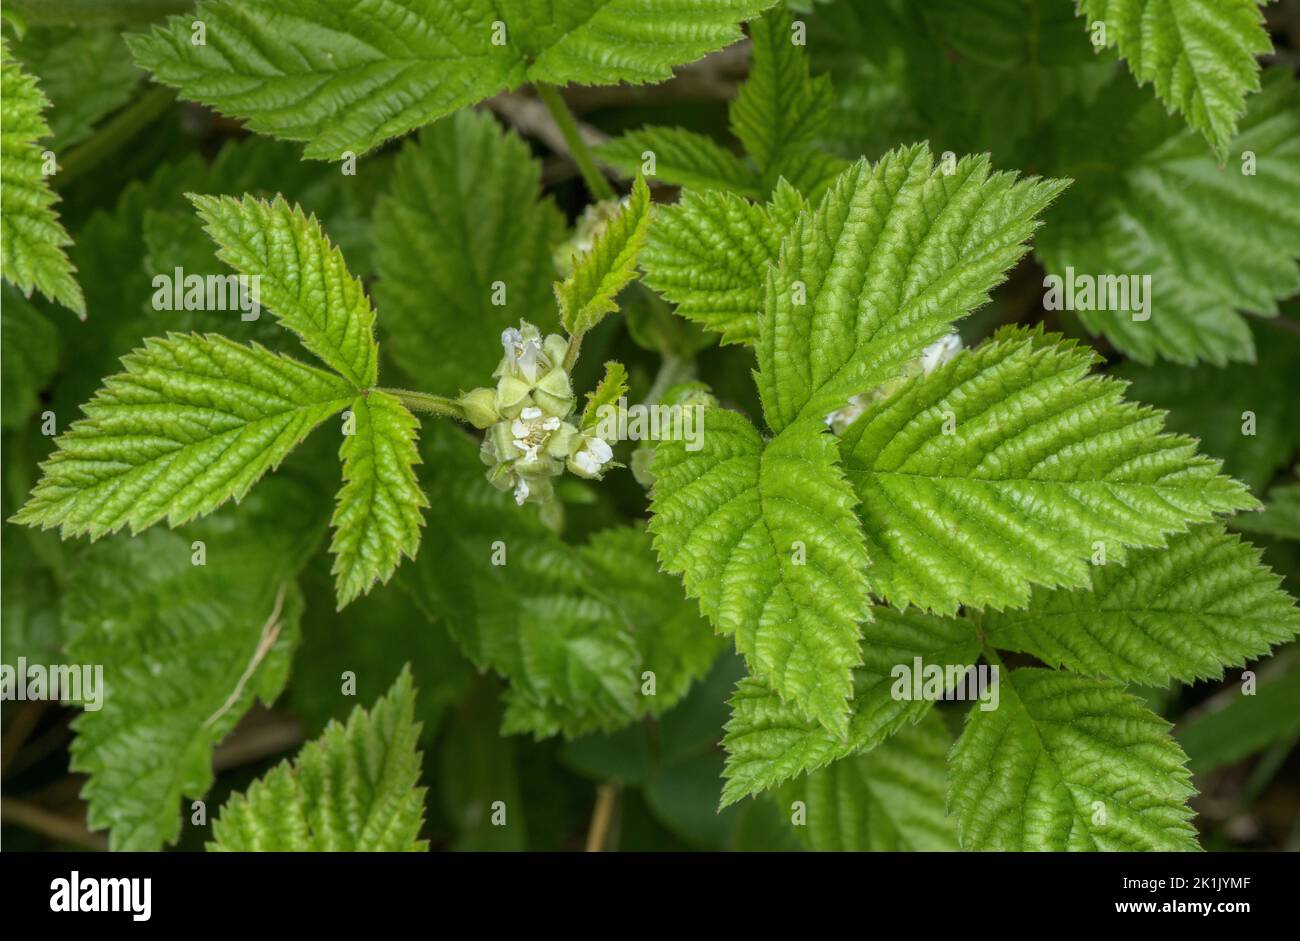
(425,402)
(591,175)
(125,125)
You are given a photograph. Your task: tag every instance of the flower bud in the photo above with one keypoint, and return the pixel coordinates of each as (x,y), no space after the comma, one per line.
(480,407)
(589,456)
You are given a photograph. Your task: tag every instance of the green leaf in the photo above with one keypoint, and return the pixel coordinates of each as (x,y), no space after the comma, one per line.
(377,520)
(86,73)
(1280,516)
(894,253)
(463,212)
(672,640)
(303,278)
(780,109)
(768,741)
(193,421)
(612,388)
(765,537)
(1012,466)
(185,650)
(1181,612)
(709,255)
(355,789)
(1068,763)
(29,353)
(1245,725)
(589,293)
(1198,54)
(517,600)
(1214,241)
(31,237)
(887,800)
(1220,405)
(681,158)
(356,75)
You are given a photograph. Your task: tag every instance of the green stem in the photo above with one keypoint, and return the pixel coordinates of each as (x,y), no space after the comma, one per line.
(572,350)
(425,402)
(124,125)
(95,12)
(582,156)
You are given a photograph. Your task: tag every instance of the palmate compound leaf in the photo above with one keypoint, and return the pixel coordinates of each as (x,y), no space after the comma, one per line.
(354,789)
(1012,466)
(32,239)
(347,76)
(185,650)
(1068,763)
(377,520)
(764,535)
(764,532)
(709,255)
(192,422)
(588,294)
(895,252)
(1180,612)
(769,741)
(463,245)
(302,278)
(1152,204)
(886,800)
(1198,54)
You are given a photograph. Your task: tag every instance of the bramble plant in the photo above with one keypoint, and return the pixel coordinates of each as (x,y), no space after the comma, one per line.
(941,370)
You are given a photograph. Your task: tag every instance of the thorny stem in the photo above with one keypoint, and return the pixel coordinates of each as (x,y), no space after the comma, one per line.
(582,156)
(426,402)
(124,126)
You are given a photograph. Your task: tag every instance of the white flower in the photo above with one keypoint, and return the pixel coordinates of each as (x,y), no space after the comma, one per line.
(593,456)
(939,352)
(524,352)
(521,491)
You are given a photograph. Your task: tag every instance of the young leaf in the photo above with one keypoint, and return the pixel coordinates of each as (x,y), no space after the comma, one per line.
(894,253)
(709,255)
(1212,240)
(355,789)
(1198,54)
(588,294)
(377,520)
(31,237)
(463,245)
(1068,763)
(303,279)
(612,388)
(1181,612)
(765,537)
(1011,466)
(769,741)
(887,800)
(779,109)
(192,422)
(681,158)
(185,649)
(357,74)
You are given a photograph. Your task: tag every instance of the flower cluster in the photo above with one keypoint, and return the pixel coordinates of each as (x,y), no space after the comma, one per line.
(530,436)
